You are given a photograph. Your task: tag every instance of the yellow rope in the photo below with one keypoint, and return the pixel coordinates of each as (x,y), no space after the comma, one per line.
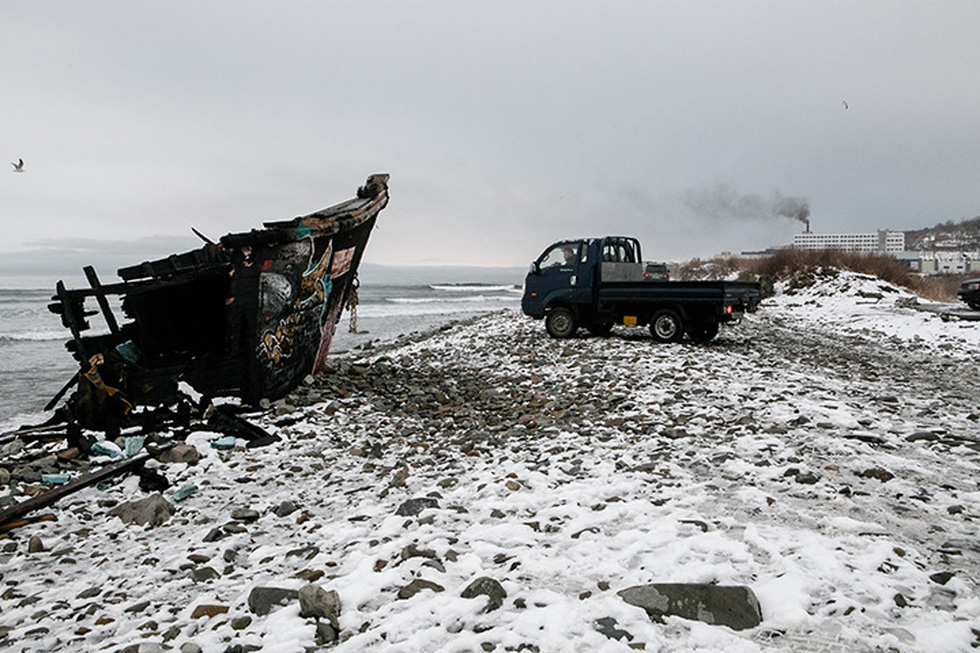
(352,301)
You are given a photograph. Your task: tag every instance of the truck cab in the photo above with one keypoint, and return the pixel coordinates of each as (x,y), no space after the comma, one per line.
(561,275)
(599,282)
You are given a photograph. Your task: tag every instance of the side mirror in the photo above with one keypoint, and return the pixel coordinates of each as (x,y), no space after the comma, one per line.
(534,269)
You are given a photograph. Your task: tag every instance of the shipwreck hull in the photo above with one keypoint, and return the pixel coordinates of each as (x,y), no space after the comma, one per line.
(249,316)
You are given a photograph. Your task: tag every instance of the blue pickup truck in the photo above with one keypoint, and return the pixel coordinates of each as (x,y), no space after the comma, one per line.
(600,282)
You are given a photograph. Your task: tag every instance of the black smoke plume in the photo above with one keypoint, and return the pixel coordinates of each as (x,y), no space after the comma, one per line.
(724,202)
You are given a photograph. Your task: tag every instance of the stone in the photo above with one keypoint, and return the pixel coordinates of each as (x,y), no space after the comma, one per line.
(144,647)
(941,577)
(89,593)
(734,606)
(807,478)
(607,626)
(878,473)
(285,508)
(185,491)
(153,510)
(318,603)
(306,552)
(224,444)
(133,445)
(106,448)
(245,514)
(214,535)
(208,610)
(326,633)
(486,586)
(416,586)
(412,507)
(180,453)
(35,545)
(203,574)
(241,623)
(262,600)
(922,436)
(152,481)
(413,551)
(190,647)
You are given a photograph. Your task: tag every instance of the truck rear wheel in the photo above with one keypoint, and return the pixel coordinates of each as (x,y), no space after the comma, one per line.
(666,326)
(560,323)
(702,331)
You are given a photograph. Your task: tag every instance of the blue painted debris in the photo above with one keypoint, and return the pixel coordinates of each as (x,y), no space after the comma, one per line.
(134,444)
(55,479)
(185,491)
(106,448)
(225,443)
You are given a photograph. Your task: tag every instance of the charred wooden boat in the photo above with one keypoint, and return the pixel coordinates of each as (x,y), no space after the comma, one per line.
(248,316)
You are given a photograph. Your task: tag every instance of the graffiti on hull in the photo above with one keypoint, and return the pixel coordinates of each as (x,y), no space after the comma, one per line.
(287,310)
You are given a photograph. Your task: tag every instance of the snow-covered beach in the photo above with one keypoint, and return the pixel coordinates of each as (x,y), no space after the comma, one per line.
(823,453)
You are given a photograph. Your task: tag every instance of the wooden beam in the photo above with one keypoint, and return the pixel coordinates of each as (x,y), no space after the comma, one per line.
(51,496)
(93,280)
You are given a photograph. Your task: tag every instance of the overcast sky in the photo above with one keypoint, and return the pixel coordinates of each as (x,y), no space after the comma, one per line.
(504,125)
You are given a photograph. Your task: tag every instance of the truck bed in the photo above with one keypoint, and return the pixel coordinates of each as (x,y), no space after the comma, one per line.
(682,291)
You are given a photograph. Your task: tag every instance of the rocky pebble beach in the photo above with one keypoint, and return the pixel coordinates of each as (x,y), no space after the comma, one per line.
(805,482)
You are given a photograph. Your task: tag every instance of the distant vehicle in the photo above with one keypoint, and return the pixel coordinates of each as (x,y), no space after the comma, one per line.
(656,272)
(600,282)
(969,292)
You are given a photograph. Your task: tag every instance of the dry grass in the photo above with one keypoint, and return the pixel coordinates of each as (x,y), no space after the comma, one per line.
(800,267)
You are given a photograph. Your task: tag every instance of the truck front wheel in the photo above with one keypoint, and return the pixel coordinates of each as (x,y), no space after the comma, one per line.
(666,326)
(560,323)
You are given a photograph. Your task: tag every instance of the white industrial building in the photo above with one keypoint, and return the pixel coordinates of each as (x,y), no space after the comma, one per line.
(881,242)
(891,243)
(942,262)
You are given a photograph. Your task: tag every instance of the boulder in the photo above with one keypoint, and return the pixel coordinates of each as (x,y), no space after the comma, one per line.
(262,600)
(316,602)
(153,510)
(486,586)
(180,453)
(732,606)
(208,610)
(413,507)
(416,586)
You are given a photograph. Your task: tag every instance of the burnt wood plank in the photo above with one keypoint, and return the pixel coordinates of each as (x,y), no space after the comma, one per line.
(54,494)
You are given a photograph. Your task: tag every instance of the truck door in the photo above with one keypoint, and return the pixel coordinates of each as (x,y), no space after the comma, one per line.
(566,272)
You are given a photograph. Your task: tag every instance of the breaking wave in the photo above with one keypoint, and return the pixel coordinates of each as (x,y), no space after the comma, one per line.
(452,287)
(34,336)
(444,300)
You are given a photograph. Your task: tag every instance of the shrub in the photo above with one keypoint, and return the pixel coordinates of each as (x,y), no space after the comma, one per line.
(801,267)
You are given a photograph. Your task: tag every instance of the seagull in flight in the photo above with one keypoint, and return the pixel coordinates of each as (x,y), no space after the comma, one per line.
(19,166)
(844,102)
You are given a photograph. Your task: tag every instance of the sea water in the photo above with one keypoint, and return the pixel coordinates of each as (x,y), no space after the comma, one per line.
(34,364)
